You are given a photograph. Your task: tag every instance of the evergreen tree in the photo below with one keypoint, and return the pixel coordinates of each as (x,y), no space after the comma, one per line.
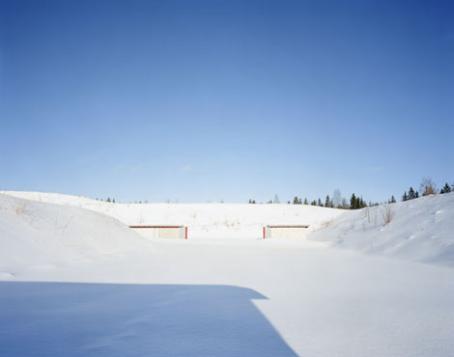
(392,200)
(108,199)
(446,188)
(405,197)
(319,202)
(353,202)
(314,203)
(411,194)
(306,201)
(362,203)
(328,201)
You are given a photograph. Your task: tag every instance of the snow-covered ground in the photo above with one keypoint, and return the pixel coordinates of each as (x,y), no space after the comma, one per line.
(40,236)
(75,282)
(421,230)
(204,220)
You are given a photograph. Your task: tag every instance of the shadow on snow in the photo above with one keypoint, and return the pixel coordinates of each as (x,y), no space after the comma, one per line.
(81,319)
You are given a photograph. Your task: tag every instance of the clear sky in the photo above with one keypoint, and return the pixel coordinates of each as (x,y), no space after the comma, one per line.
(210,100)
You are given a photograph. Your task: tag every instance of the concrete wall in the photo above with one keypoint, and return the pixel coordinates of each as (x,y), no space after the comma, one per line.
(286,232)
(166,233)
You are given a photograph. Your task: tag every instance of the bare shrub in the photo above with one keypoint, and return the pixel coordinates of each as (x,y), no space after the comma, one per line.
(20,209)
(428,187)
(367,214)
(388,214)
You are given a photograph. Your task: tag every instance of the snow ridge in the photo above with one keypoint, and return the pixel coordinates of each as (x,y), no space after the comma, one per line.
(419,230)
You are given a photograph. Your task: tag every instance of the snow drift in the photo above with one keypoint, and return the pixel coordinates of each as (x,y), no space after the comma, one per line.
(420,230)
(38,234)
(209,220)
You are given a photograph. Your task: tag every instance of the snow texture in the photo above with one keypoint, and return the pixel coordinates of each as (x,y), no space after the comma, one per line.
(244,221)
(76,282)
(421,230)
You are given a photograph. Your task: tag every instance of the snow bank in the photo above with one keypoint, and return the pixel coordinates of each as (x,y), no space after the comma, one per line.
(420,230)
(204,220)
(43,235)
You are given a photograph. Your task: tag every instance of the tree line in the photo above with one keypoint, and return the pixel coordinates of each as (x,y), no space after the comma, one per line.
(427,187)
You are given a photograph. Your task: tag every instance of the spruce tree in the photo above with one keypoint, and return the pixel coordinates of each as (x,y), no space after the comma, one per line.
(353,202)
(411,194)
(297,200)
(446,188)
(327,201)
(362,203)
(306,202)
(405,197)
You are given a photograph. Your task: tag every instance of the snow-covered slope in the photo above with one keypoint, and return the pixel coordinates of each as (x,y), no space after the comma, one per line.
(40,235)
(421,230)
(203,220)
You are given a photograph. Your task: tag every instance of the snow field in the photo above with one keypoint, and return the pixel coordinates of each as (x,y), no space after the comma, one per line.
(77,282)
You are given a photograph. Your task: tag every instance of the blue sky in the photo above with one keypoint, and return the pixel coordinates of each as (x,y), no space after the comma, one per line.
(210,100)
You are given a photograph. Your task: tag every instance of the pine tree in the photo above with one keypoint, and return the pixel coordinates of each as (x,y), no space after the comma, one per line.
(328,201)
(411,194)
(405,197)
(353,202)
(306,202)
(392,200)
(319,202)
(362,203)
(446,188)
(108,199)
